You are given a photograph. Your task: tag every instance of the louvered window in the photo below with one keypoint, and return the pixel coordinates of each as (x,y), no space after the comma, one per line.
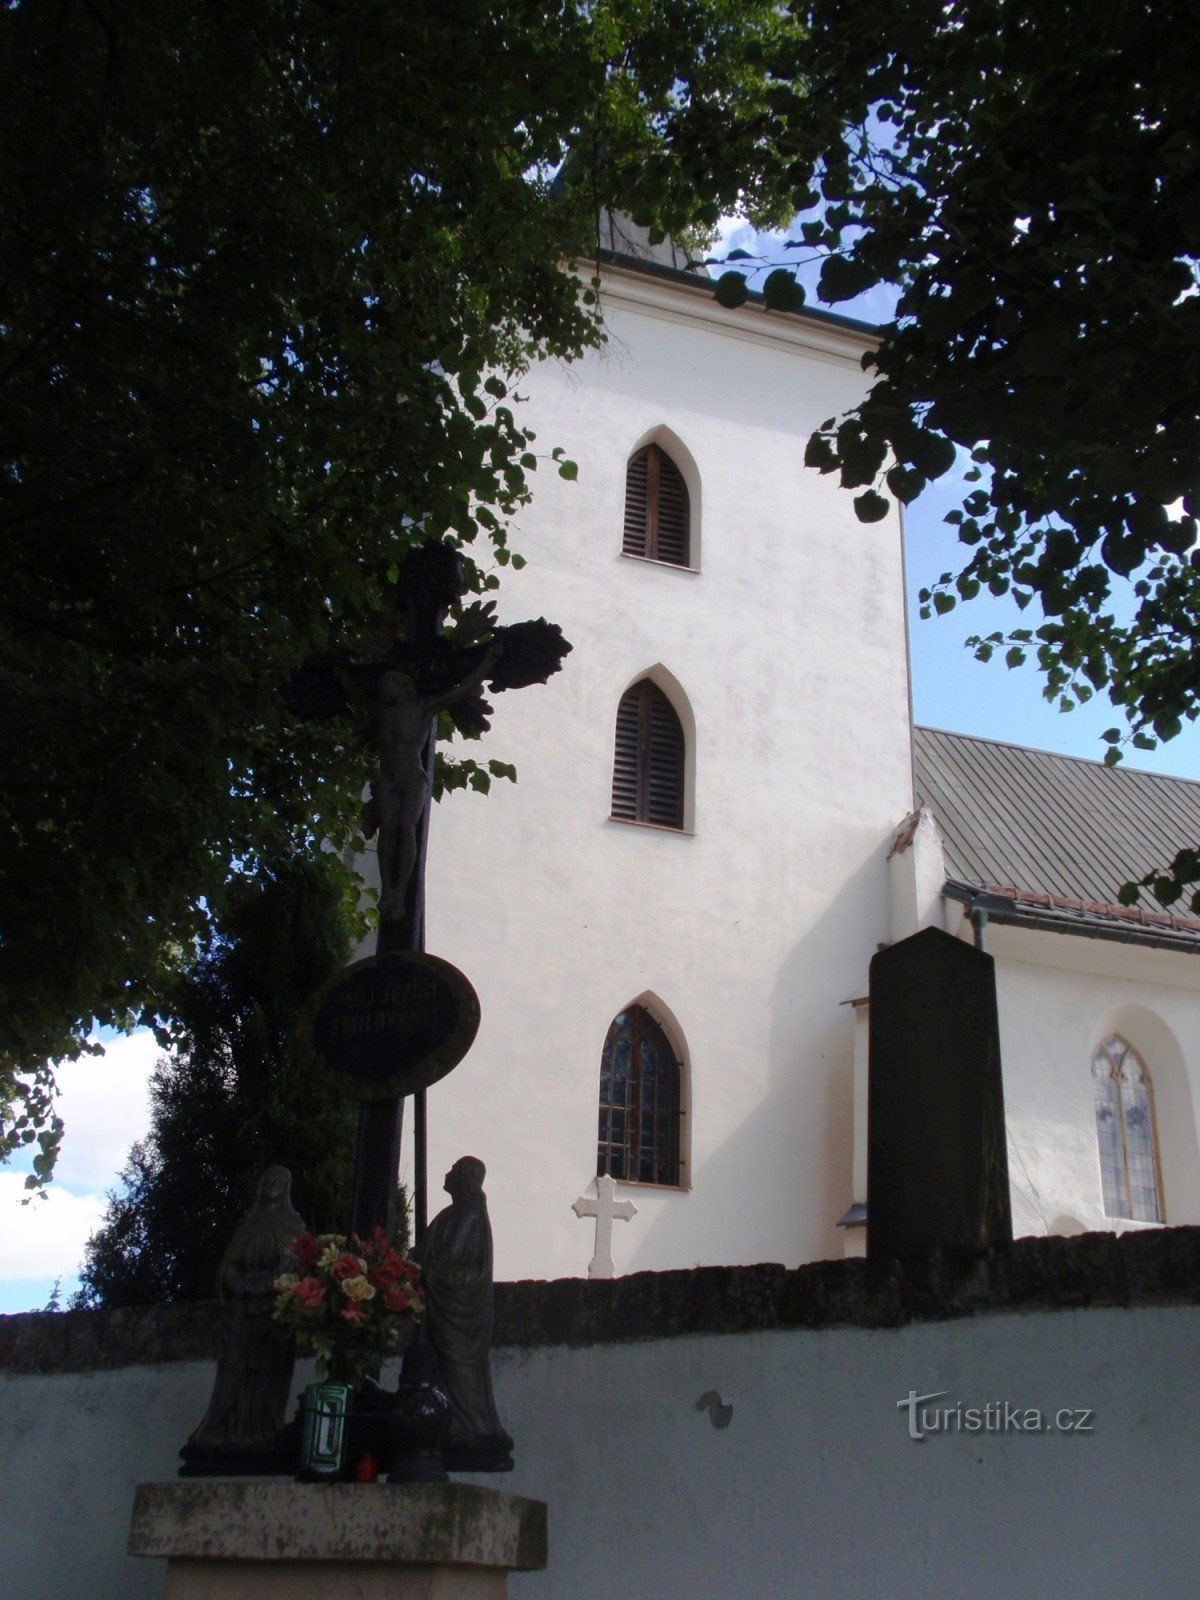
(657,509)
(1125,1133)
(639,1102)
(648,759)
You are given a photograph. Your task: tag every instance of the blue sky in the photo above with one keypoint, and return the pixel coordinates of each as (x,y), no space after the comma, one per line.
(104,1102)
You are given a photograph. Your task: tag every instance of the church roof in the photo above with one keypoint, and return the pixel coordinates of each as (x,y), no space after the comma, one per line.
(1047,840)
(622,243)
(698,279)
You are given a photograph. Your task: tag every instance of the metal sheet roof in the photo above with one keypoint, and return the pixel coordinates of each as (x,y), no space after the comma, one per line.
(1055,832)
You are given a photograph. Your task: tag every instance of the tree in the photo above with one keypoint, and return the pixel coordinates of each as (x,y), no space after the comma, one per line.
(233,1097)
(269,274)
(1028,177)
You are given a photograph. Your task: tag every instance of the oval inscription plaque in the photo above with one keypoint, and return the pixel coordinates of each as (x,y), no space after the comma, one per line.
(391,1024)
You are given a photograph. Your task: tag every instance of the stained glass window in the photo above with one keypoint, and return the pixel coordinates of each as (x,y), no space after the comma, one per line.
(1125,1132)
(639,1102)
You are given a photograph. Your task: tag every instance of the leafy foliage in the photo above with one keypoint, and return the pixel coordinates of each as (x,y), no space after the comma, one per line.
(269,275)
(1028,177)
(232,1098)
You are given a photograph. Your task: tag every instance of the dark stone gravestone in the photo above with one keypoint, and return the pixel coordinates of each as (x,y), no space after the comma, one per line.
(937,1156)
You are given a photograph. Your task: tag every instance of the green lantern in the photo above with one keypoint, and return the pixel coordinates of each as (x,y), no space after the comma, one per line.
(326,1432)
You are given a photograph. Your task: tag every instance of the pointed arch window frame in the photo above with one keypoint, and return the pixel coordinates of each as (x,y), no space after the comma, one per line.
(647,1100)
(1126,1133)
(650,760)
(659,516)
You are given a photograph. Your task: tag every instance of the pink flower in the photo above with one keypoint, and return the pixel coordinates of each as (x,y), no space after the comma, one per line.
(347,1266)
(310,1293)
(355,1314)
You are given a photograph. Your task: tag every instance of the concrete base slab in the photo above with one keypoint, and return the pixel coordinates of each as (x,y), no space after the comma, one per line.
(238,1539)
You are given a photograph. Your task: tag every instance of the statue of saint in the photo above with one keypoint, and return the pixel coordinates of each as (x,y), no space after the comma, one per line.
(241,1430)
(456,1263)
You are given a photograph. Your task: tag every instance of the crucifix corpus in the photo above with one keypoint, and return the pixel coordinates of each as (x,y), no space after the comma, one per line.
(395,1023)
(604,1208)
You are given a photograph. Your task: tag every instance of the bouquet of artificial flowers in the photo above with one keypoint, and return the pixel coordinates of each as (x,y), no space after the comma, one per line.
(351,1303)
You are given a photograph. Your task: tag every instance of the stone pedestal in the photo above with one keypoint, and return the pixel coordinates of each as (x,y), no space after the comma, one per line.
(271,1540)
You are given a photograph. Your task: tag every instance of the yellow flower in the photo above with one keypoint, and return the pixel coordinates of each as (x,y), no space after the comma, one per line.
(358,1289)
(286,1283)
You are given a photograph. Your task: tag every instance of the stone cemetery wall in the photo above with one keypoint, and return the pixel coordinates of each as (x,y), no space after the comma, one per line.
(727,1430)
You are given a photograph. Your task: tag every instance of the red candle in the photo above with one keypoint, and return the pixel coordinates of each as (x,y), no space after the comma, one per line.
(366,1468)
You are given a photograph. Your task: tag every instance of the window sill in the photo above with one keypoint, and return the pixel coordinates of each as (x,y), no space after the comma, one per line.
(665,566)
(655,827)
(663,1188)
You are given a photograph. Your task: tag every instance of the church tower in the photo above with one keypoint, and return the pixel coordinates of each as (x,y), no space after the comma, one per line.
(665,914)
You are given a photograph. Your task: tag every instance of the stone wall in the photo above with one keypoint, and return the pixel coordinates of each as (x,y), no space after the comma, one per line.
(1156,1267)
(725,1430)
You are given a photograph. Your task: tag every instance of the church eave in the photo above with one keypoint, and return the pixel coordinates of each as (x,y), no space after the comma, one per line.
(694,283)
(1053,913)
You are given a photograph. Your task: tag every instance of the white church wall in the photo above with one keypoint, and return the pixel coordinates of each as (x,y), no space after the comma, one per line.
(757,920)
(813,1488)
(1052,1017)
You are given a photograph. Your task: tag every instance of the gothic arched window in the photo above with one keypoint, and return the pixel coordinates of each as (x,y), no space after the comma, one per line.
(1125,1133)
(639,1101)
(648,758)
(658,511)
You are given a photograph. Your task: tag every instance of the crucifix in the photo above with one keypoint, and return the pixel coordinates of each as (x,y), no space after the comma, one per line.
(411,673)
(604,1208)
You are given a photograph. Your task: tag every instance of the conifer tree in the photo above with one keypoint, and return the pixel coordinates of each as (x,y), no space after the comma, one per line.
(232,1096)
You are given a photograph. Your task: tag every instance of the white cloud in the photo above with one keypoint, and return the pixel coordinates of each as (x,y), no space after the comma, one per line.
(44,1239)
(735,233)
(104,1103)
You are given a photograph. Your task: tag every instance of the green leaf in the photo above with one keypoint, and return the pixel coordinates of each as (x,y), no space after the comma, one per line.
(731,290)
(905,483)
(819,452)
(781,292)
(844,277)
(872,507)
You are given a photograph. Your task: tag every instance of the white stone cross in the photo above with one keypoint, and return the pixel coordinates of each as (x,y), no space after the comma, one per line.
(604,1208)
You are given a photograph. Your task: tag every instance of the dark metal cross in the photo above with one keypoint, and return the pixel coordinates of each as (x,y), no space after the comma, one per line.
(398,691)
